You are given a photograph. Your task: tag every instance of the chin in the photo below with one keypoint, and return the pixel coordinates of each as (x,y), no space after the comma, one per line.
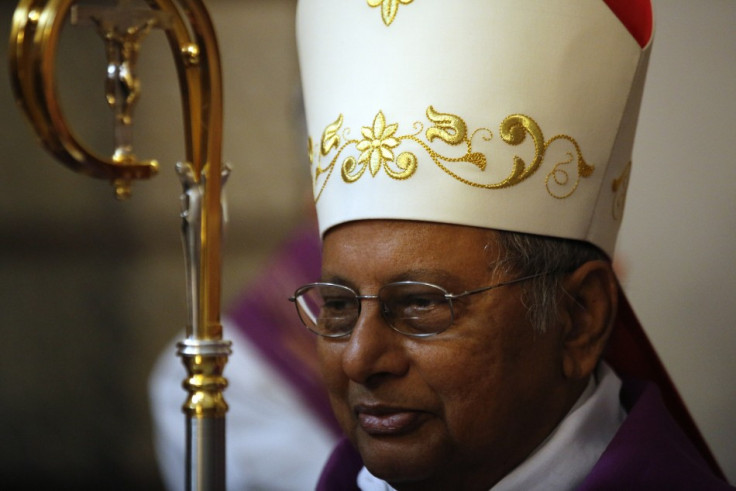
(401,463)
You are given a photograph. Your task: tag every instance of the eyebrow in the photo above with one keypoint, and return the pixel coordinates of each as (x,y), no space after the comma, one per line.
(439,277)
(336,279)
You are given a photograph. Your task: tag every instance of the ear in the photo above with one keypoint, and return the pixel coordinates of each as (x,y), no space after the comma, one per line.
(589,304)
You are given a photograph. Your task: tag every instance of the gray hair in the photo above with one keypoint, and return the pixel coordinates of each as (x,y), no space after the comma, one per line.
(525,254)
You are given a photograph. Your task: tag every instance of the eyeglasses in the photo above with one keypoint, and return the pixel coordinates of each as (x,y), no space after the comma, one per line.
(414,308)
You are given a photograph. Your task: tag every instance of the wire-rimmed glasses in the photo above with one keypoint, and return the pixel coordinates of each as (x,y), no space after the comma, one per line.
(413,308)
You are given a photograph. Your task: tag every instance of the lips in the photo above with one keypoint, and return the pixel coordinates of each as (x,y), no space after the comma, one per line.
(388,421)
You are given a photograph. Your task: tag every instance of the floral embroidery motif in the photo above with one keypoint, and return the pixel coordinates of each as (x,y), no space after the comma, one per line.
(377,144)
(389,8)
(380,142)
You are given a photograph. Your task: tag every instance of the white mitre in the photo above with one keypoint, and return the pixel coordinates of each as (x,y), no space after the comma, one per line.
(505,115)
(515,115)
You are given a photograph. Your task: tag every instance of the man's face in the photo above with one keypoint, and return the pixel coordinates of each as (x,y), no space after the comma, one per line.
(458,409)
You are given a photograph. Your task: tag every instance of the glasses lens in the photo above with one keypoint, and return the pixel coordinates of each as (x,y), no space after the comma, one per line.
(328,310)
(416,309)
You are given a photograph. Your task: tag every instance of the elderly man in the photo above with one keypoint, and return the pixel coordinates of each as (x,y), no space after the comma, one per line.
(467,297)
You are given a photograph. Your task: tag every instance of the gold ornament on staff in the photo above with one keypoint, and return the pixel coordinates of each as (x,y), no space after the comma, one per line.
(37,25)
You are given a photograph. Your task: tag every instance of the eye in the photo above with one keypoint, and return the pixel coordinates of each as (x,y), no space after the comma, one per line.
(416,309)
(419,302)
(338,308)
(410,300)
(337,305)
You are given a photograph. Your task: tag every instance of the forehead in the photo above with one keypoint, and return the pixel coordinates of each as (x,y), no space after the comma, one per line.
(391,250)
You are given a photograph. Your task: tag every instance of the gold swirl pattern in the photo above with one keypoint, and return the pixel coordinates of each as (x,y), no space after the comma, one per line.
(380,141)
(560,176)
(389,8)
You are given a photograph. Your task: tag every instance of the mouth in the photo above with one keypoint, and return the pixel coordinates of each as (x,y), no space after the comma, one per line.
(388,421)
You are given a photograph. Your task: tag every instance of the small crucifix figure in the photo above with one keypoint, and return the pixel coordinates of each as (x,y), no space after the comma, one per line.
(123,28)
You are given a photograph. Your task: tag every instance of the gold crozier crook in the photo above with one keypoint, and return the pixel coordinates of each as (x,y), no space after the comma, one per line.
(36,29)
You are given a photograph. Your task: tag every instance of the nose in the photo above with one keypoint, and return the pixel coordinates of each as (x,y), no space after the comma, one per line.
(374,351)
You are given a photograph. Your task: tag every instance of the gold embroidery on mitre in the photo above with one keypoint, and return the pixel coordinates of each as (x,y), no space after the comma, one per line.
(559,175)
(310,150)
(329,136)
(380,141)
(389,8)
(620,186)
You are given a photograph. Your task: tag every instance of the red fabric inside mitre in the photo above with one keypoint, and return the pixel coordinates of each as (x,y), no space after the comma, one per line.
(636,15)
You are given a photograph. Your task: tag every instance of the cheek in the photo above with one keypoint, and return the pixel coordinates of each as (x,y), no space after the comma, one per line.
(336,382)
(466,382)
(328,357)
(481,374)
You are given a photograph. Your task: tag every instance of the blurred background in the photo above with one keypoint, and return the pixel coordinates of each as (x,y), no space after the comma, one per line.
(92,289)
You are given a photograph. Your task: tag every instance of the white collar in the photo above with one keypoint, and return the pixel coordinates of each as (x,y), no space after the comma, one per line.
(568,454)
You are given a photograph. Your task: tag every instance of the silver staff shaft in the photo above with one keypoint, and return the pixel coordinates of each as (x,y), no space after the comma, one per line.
(205,420)
(205,453)
(203,358)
